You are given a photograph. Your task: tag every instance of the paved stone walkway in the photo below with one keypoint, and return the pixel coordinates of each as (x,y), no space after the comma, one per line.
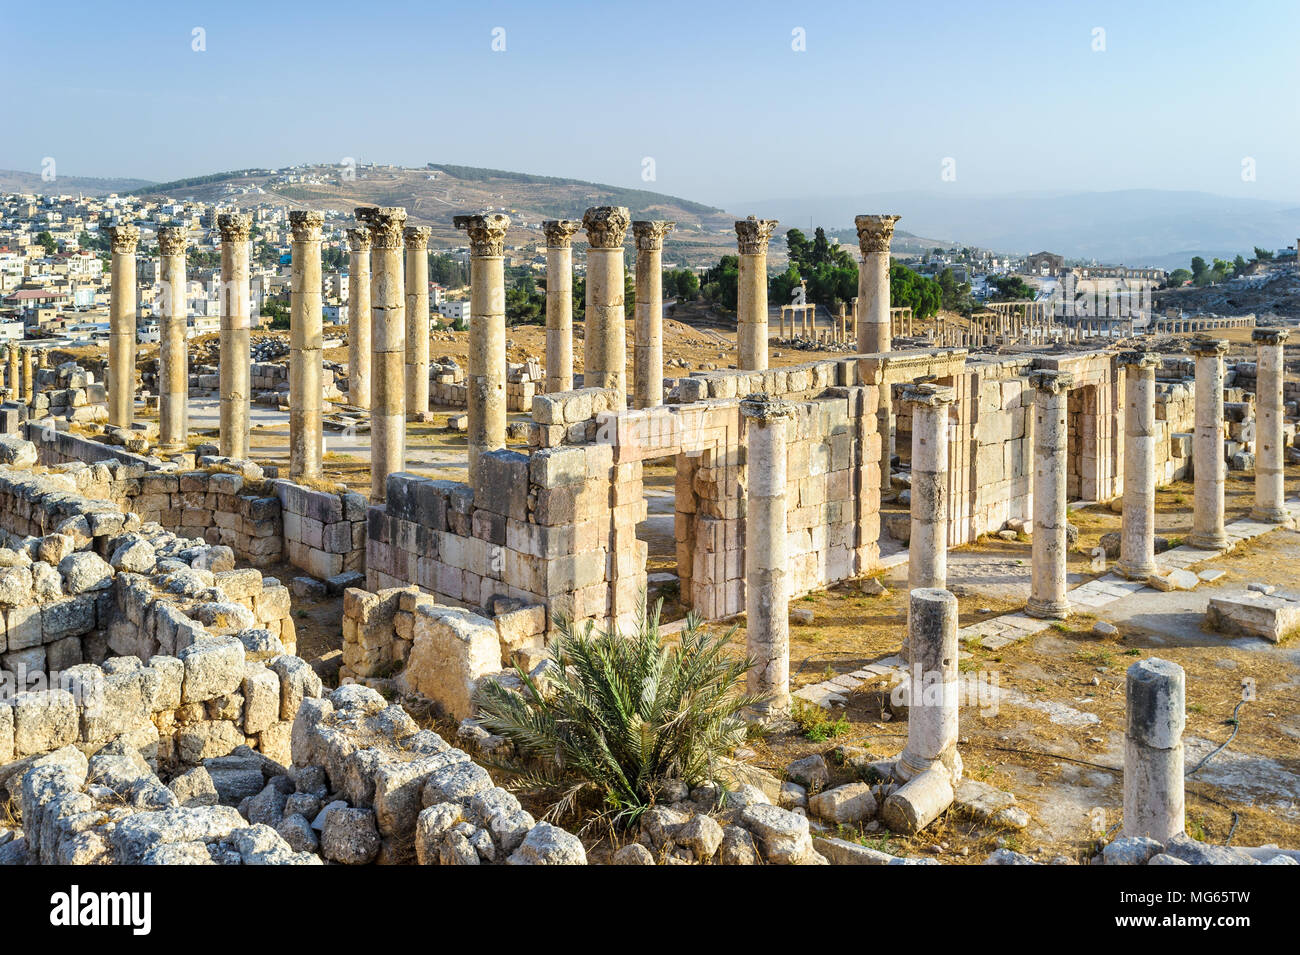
(1000,632)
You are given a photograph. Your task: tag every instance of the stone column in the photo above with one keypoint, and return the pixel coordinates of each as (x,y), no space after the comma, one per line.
(932,691)
(417,322)
(874,234)
(648,322)
(559,303)
(927,563)
(359,317)
(306,340)
(173,360)
(1270,491)
(235,379)
(487,333)
(387,346)
(29,392)
(1208,468)
(1137,559)
(605,347)
(751,293)
(14,377)
(767,614)
(1047,591)
(121,326)
(1153,750)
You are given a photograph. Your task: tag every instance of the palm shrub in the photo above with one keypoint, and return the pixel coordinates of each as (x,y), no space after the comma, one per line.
(615,714)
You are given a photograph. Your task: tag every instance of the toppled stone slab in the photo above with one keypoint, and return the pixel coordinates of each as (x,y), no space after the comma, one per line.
(1251,614)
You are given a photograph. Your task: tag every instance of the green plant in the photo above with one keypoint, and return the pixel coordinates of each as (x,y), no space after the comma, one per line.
(814,724)
(614,714)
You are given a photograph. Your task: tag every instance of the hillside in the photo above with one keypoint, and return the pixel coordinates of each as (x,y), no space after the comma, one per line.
(13,180)
(432,195)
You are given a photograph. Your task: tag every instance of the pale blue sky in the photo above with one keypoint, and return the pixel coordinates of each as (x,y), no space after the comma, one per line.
(1013,92)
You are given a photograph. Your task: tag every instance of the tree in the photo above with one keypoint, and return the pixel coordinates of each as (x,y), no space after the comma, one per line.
(1010,288)
(1178,278)
(721,282)
(1198,267)
(525,304)
(681,284)
(1239,266)
(797,245)
(277,312)
(907,289)
(46,241)
(1263,255)
(955,295)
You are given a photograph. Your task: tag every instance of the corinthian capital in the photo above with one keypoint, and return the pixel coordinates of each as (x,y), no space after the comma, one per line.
(385,224)
(171,239)
(1051,382)
(359,239)
(1139,359)
(875,232)
(487,234)
(1208,347)
(306,225)
(649,234)
(234,226)
(123,238)
(606,226)
(1269,336)
(416,238)
(559,232)
(752,235)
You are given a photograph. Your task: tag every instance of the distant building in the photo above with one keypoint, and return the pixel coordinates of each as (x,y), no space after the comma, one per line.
(1044,263)
(454,311)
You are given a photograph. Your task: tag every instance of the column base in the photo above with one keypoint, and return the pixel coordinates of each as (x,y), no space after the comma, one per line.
(1208,543)
(1048,609)
(1270,515)
(1135,571)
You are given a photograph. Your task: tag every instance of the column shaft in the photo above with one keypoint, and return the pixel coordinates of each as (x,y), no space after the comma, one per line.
(1153,750)
(1138,523)
(1270,369)
(417,322)
(1209,469)
(751,293)
(121,327)
(932,688)
(648,323)
(605,345)
(387,346)
(559,303)
(359,318)
(1047,596)
(173,361)
(767,613)
(487,335)
(306,340)
(235,378)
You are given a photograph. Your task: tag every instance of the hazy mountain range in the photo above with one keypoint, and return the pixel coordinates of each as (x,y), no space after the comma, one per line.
(1131,227)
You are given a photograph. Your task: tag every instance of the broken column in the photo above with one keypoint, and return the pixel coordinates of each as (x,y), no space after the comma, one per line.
(14,376)
(359,317)
(751,293)
(605,347)
(486,380)
(929,763)
(305,346)
(121,326)
(874,234)
(767,615)
(417,322)
(1208,467)
(648,322)
(173,363)
(1137,559)
(1047,592)
(387,346)
(559,303)
(29,390)
(1153,750)
(1270,492)
(927,562)
(235,374)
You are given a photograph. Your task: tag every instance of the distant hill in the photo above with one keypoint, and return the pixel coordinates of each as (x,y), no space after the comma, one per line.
(1132,227)
(12,180)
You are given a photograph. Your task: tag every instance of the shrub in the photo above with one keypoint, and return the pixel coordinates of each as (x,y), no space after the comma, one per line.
(614,715)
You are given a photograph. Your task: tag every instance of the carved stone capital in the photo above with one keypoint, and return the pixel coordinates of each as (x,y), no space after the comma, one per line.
(1208,347)
(487,234)
(171,239)
(649,234)
(1139,359)
(875,232)
(235,226)
(416,238)
(606,226)
(559,232)
(359,239)
(931,396)
(752,235)
(385,224)
(1051,382)
(306,224)
(1269,336)
(764,408)
(123,239)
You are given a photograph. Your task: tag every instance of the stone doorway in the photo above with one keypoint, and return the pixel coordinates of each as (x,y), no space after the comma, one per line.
(666,533)
(1081,451)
